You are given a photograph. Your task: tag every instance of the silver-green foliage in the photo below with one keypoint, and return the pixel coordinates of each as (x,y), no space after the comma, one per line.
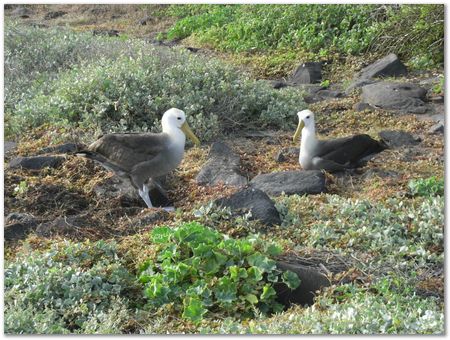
(387,307)
(397,232)
(131,90)
(71,288)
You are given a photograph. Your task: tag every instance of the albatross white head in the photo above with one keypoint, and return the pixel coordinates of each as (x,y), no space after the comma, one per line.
(306,124)
(173,121)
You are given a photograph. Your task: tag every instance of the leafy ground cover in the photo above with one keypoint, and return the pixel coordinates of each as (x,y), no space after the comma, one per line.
(380,237)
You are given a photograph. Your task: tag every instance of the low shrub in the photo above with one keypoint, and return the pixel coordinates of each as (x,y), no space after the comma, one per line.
(201,272)
(71,288)
(131,93)
(431,186)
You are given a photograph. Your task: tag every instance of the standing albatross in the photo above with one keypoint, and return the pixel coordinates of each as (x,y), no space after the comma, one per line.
(144,156)
(333,154)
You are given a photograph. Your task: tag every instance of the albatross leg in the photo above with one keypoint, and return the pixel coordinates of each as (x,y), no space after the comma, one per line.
(145,196)
(326,164)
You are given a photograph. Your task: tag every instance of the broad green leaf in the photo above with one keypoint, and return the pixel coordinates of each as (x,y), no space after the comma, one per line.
(268,293)
(161,235)
(193,309)
(251,298)
(291,279)
(262,262)
(237,272)
(273,249)
(225,290)
(254,274)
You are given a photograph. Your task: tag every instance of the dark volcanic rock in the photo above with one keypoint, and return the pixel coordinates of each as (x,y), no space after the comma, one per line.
(396,139)
(222,167)
(307,73)
(18,226)
(54,15)
(62,225)
(403,97)
(21,12)
(9,146)
(311,281)
(358,107)
(290,182)
(145,20)
(62,148)
(389,66)
(36,162)
(437,128)
(109,33)
(255,200)
(122,189)
(284,154)
(278,84)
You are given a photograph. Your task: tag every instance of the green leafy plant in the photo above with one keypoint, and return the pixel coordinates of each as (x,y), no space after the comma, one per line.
(440,86)
(21,189)
(202,272)
(431,186)
(325,83)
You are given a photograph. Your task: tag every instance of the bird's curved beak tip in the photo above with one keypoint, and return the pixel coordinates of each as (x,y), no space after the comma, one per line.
(188,132)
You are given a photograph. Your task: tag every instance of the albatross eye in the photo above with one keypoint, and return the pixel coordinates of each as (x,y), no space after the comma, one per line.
(307,117)
(179,118)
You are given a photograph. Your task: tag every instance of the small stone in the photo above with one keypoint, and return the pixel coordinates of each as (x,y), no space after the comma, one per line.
(280,158)
(54,15)
(311,280)
(395,139)
(358,107)
(221,167)
(437,128)
(261,206)
(290,182)
(36,162)
(307,73)
(62,148)
(18,226)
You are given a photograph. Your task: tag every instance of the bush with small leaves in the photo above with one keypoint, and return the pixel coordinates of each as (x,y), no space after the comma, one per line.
(71,288)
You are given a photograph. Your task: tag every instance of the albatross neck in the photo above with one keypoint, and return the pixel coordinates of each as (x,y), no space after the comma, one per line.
(309,139)
(176,136)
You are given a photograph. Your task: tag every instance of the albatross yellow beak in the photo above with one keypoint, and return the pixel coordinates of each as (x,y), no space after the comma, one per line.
(298,132)
(188,132)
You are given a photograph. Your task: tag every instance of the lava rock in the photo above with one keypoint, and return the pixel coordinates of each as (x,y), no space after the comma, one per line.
(62,148)
(254,200)
(36,162)
(290,182)
(403,97)
(9,146)
(278,84)
(280,157)
(307,73)
(54,15)
(389,66)
(358,107)
(222,167)
(311,280)
(61,225)
(18,226)
(109,33)
(192,49)
(145,20)
(395,139)
(437,128)
(122,189)
(21,12)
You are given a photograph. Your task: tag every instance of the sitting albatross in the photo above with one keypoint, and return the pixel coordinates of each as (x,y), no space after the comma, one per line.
(333,154)
(144,156)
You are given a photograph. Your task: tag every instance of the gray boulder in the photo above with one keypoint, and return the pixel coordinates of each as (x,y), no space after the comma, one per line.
(403,97)
(254,200)
(61,148)
(307,73)
(18,226)
(221,167)
(62,225)
(290,182)
(54,15)
(395,139)
(437,128)
(36,162)
(389,66)
(311,280)
(9,146)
